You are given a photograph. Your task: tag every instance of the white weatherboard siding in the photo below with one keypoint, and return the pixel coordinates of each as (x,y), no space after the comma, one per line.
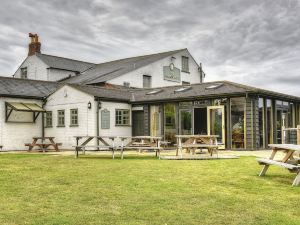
(13,136)
(67,98)
(36,69)
(115,130)
(155,70)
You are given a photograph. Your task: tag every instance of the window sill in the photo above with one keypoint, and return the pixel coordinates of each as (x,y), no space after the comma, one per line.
(123,125)
(74,125)
(49,127)
(61,126)
(185,71)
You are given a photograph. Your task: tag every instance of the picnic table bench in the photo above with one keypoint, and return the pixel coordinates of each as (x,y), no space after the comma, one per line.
(134,143)
(193,142)
(141,143)
(102,144)
(43,146)
(288,161)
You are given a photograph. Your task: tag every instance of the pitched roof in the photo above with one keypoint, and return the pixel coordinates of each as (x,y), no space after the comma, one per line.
(64,63)
(24,88)
(104,93)
(217,89)
(110,70)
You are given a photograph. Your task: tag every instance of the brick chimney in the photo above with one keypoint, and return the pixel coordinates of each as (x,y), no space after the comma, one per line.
(35,45)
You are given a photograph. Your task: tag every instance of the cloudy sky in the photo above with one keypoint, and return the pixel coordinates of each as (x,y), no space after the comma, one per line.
(254,42)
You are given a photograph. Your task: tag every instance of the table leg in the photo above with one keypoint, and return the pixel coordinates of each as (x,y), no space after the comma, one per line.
(76,152)
(297,180)
(122,148)
(33,143)
(113,148)
(54,144)
(266,167)
(287,156)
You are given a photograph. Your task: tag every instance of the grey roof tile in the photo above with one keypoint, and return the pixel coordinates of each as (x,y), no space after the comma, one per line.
(65,63)
(15,87)
(117,94)
(24,88)
(110,70)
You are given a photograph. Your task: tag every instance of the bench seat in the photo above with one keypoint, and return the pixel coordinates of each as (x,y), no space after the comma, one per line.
(144,147)
(290,167)
(199,146)
(95,146)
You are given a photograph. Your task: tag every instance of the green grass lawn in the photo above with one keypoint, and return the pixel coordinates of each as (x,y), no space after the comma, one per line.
(46,189)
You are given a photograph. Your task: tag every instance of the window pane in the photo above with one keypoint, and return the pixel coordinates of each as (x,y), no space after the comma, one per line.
(146,81)
(185,64)
(74,117)
(170,122)
(237,122)
(122,117)
(61,118)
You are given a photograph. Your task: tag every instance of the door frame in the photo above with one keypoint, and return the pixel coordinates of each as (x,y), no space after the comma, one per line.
(192,119)
(193,116)
(223,123)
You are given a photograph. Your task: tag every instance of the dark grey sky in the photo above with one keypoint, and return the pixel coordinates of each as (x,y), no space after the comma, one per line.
(254,42)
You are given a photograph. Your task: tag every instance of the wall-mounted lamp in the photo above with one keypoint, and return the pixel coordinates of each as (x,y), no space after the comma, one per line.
(99,105)
(89,105)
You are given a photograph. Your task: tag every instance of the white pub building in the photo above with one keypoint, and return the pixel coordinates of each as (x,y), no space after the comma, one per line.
(161,94)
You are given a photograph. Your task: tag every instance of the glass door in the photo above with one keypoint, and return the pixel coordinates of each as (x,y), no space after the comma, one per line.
(216,123)
(185,116)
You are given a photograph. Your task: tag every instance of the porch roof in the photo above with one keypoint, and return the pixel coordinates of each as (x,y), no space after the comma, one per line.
(25,107)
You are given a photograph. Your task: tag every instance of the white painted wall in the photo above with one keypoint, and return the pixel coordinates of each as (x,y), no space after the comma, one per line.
(115,130)
(36,69)
(67,98)
(135,78)
(13,136)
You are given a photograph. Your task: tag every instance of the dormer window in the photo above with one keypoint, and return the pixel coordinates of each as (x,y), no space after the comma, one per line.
(24,73)
(154,92)
(185,64)
(182,89)
(214,86)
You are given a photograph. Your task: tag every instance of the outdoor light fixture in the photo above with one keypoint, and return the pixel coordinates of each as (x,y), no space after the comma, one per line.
(89,105)
(99,105)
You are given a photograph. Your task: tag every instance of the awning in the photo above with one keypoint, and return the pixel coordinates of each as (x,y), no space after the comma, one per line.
(25,107)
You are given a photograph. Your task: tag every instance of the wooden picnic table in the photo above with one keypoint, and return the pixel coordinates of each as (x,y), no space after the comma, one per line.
(102,146)
(43,145)
(133,143)
(141,143)
(193,142)
(287,161)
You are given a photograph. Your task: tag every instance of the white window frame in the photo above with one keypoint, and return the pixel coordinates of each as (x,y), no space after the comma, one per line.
(74,121)
(122,117)
(49,119)
(61,118)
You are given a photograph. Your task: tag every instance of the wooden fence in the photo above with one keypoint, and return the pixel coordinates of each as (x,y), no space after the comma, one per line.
(291,135)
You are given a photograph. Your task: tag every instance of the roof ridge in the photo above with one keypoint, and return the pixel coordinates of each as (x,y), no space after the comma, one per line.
(60,57)
(172,51)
